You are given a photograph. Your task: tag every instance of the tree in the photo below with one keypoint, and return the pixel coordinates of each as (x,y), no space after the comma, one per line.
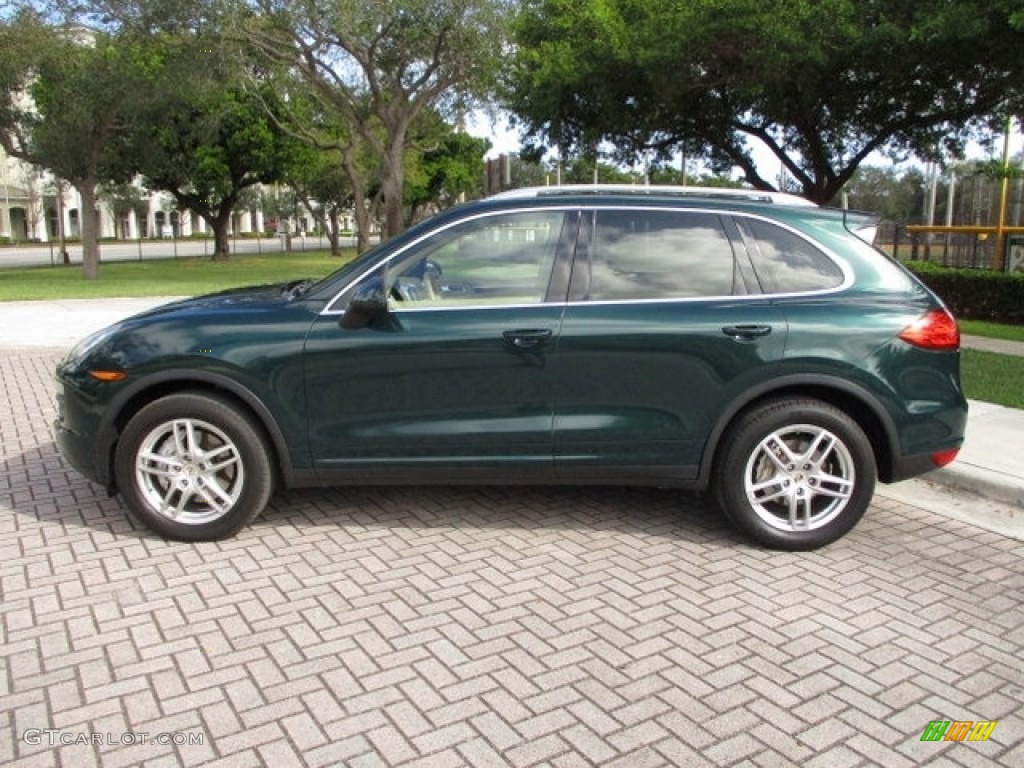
(893,195)
(207,135)
(64,96)
(822,85)
(324,189)
(443,167)
(378,65)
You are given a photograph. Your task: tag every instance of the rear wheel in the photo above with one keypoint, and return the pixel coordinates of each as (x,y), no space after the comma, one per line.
(796,474)
(193,467)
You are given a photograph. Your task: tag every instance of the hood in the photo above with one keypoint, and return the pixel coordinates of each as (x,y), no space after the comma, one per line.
(249,297)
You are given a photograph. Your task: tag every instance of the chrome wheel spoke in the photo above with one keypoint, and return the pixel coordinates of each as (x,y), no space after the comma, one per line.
(831,485)
(171,509)
(230,458)
(794,511)
(816,449)
(158,465)
(769,490)
(212,488)
(778,452)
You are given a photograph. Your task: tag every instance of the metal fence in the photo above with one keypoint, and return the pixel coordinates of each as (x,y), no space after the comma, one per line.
(168,248)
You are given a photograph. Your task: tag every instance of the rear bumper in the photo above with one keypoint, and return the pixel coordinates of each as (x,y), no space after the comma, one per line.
(906,467)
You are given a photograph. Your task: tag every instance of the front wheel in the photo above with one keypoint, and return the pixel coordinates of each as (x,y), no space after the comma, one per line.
(795,474)
(193,467)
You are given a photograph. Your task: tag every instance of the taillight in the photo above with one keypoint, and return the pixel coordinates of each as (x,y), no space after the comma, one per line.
(936,330)
(942,458)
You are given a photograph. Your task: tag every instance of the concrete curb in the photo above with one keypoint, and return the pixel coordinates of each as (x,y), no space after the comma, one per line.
(980,481)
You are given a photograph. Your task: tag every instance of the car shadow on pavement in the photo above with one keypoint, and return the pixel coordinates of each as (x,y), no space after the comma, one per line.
(39,484)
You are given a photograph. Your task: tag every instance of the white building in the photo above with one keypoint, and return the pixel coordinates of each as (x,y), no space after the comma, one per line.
(33,207)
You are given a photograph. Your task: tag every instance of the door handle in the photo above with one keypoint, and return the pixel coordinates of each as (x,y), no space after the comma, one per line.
(746,332)
(525,339)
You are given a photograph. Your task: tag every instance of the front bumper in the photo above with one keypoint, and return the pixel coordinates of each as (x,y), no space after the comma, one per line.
(76,433)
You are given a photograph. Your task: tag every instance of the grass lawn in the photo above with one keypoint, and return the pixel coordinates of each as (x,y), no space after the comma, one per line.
(989,376)
(992,377)
(992,330)
(165,277)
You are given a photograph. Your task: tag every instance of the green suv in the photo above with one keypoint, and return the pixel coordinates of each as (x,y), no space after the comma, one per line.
(741,342)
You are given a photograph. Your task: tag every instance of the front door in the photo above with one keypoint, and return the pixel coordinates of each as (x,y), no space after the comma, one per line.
(456,378)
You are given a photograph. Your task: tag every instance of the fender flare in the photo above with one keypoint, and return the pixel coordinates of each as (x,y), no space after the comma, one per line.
(790,383)
(109,433)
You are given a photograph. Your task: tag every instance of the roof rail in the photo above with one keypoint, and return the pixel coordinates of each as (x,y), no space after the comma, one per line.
(658,190)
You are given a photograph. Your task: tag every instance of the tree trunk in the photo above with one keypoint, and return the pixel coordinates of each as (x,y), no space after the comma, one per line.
(220,226)
(90,229)
(332,228)
(361,212)
(359,209)
(393,186)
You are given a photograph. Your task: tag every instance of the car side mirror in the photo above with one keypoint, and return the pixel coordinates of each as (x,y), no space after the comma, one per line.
(368,302)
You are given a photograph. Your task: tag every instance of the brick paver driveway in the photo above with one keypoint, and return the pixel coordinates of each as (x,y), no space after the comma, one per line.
(487,627)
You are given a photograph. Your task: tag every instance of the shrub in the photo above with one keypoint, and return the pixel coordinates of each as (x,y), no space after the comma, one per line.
(975,294)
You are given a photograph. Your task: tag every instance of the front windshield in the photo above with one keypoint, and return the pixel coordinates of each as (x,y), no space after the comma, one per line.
(328,286)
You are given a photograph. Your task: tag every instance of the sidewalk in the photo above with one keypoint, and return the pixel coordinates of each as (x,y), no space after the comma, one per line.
(990,466)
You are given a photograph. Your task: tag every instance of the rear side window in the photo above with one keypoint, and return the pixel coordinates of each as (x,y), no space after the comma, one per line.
(786,262)
(658,255)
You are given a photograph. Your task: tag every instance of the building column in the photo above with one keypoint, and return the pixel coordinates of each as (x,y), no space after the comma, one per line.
(5,200)
(259,221)
(133,225)
(72,202)
(39,215)
(107,223)
(154,206)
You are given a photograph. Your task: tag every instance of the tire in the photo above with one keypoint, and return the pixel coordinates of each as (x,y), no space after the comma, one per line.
(795,474)
(194,467)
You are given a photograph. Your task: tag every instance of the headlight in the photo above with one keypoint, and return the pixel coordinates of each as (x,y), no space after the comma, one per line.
(89,343)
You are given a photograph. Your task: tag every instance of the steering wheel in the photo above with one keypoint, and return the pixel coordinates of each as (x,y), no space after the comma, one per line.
(408,289)
(418,282)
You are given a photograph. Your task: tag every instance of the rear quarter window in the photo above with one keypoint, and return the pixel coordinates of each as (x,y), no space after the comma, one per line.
(786,262)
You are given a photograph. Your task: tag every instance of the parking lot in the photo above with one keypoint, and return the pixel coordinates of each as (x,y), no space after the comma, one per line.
(487,627)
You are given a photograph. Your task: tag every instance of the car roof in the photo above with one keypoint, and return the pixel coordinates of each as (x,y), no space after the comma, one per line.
(655,190)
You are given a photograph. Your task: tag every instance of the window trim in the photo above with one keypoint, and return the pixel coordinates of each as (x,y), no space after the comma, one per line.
(568,226)
(584,230)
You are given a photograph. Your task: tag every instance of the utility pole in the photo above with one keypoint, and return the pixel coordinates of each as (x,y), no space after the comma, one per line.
(999,246)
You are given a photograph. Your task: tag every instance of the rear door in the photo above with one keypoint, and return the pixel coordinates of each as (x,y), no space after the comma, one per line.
(665,324)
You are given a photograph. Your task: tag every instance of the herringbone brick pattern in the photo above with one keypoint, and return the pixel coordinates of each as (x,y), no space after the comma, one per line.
(487,627)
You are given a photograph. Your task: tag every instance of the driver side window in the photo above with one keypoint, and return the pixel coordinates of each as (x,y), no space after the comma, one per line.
(503,259)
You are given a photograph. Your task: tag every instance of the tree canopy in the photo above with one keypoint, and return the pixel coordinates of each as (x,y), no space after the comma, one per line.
(380,65)
(445,168)
(207,135)
(822,84)
(65,96)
